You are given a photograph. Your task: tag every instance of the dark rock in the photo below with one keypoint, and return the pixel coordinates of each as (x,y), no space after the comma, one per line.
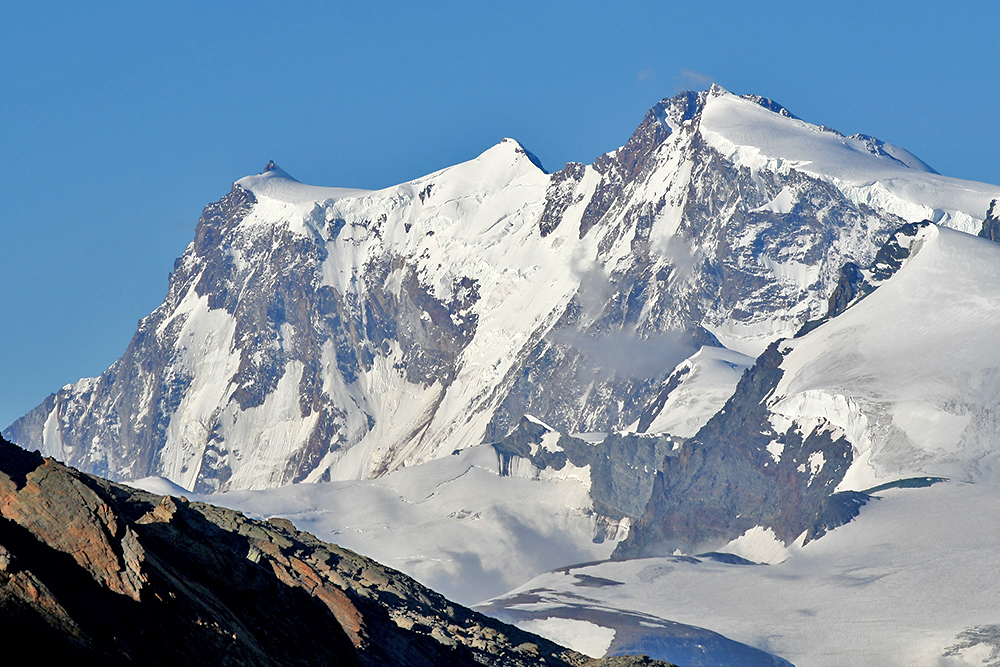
(985,636)
(727,558)
(908,483)
(105,574)
(724,480)
(892,255)
(560,195)
(837,510)
(991,225)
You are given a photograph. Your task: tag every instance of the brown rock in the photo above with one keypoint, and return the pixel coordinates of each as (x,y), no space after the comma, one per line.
(98,573)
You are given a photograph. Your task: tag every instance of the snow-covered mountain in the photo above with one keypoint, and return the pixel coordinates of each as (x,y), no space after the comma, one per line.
(902,385)
(316,334)
(908,582)
(722,341)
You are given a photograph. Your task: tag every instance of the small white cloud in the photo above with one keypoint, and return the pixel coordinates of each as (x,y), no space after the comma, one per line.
(697,78)
(682,255)
(595,286)
(624,353)
(645,75)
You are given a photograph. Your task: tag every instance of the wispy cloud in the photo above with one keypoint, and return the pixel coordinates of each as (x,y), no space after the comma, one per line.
(624,353)
(682,255)
(645,75)
(594,291)
(697,78)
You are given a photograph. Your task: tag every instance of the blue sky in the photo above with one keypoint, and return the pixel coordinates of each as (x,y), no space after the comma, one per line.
(119,121)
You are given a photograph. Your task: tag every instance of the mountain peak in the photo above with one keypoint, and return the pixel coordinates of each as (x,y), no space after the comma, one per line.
(276,183)
(519,149)
(272,170)
(672,112)
(715,90)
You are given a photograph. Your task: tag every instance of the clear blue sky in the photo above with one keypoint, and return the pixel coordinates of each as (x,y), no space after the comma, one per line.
(119,121)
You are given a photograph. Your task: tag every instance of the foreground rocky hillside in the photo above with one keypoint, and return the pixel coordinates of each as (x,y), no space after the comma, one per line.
(96,572)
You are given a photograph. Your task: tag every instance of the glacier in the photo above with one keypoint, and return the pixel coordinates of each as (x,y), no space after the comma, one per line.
(909,374)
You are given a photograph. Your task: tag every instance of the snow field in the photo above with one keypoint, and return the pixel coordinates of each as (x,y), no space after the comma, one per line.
(892,588)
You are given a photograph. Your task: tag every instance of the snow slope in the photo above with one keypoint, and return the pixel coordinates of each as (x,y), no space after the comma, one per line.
(705,380)
(871,172)
(912,372)
(898,586)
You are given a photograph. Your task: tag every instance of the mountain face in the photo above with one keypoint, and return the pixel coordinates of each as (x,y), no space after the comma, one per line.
(886,412)
(900,387)
(105,574)
(314,334)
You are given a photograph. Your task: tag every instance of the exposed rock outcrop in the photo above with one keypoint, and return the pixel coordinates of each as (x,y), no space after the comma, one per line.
(621,466)
(104,574)
(991,225)
(726,480)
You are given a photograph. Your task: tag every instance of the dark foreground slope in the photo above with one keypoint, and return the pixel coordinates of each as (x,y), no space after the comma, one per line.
(104,574)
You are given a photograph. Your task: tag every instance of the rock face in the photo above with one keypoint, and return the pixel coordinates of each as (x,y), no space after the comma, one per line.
(110,575)
(315,333)
(727,480)
(897,389)
(620,468)
(991,225)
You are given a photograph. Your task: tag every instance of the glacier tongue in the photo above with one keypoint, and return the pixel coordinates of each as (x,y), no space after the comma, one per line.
(314,334)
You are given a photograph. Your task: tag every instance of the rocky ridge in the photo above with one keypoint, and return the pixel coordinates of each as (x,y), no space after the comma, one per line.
(110,575)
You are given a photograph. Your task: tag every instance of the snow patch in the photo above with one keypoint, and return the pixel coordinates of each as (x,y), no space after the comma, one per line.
(816,462)
(759,545)
(775,449)
(160,486)
(587,638)
(782,203)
